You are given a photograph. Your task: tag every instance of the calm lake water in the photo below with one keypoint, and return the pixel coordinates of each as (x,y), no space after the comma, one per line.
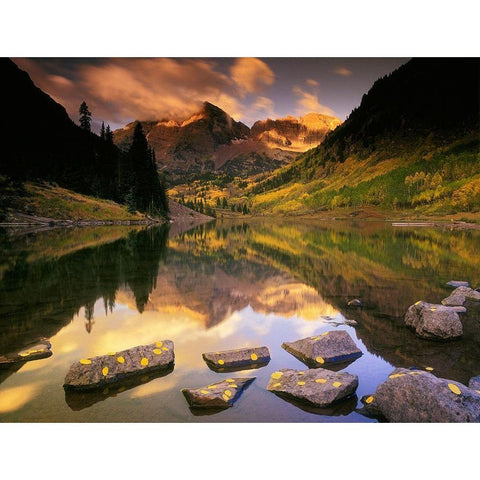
(219,286)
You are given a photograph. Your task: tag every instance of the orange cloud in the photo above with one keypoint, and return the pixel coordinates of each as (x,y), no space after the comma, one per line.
(251,75)
(345,72)
(122,89)
(308,102)
(311,82)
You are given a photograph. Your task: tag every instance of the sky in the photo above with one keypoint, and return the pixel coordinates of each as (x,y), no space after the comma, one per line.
(120,90)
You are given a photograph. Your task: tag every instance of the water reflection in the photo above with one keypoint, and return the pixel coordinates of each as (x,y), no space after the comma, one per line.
(216,287)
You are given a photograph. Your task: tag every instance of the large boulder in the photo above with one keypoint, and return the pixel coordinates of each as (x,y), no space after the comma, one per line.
(218,395)
(96,372)
(474,383)
(32,351)
(434,322)
(327,348)
(319,387)
(419,396)
(239,359)
(460,295)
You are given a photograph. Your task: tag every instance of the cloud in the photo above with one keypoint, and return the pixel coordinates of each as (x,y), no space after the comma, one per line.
(308,102)
(311,82)
(251,75)
(119,90)
(264,104)
(345,72)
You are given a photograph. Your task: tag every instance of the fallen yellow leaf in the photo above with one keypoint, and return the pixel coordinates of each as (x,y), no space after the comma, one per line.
(276,375)
(320,360)
(321,380)
(144,361)
(254,356)
(120,359)
(454,389)
(336,384)
(105,371)
(85,361)
(369,399)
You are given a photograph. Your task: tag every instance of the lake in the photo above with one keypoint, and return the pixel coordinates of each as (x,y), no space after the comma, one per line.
(217,286)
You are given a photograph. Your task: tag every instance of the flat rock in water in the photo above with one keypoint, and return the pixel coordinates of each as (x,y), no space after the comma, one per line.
(418,396)
(458,283)
(326,348)
(95,372)
(474,383)
(434,322)
(217,395)
(460,295)
(33,351)
(239,359)
(319,386)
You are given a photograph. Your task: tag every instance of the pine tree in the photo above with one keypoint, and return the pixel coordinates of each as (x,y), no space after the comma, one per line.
(102,131)
(85,117)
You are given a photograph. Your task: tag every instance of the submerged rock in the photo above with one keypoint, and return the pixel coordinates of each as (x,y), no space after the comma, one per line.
(458,283)
(239,359)
(32,351)
(434,322)
(418,396)
(319,386)
(95,372)
(217,395)
(326,348)
(474,383)
(460,295)
(355,303)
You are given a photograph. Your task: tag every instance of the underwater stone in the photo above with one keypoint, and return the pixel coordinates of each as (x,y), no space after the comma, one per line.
(319,386)
(355,303)
(103,370)
(327,348)
(217,395)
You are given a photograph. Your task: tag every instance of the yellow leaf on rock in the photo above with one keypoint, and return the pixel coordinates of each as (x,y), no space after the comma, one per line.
(278,384)
(321,380)
(211,387)
(228,393)
(430,369)
(120,359)
(254,356)
(418,303)
(25,354)
(105,371)
(221,362)
(301,383)
(320,360)
(204,391)
(165,349)
(111,354)
(369,399)
(230,380)
(144,361)
(396,375)
(276,375)
(159,344)
(157,351)
(85,361)
(336,384)
(454,389)
(225,398)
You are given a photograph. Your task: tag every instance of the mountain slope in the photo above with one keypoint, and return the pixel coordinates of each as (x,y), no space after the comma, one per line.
(211,141)
(412,143)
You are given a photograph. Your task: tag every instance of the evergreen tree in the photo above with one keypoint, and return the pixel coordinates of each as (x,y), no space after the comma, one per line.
(102,131)
(109,135)
(85,117)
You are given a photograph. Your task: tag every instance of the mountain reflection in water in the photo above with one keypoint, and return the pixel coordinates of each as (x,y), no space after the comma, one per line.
(218,286)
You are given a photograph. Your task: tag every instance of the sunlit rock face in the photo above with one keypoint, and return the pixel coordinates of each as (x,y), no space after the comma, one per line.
(211,140)
(188,146)
(298,134)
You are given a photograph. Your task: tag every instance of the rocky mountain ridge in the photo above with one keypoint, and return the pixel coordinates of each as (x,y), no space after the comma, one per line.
(212,141)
